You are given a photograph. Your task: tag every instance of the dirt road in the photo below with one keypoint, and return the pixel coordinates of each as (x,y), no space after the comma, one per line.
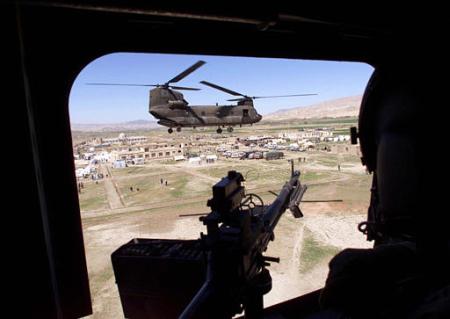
(112,193)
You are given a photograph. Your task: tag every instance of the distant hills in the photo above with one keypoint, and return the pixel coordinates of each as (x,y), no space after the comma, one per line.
(114,127)
(346,106)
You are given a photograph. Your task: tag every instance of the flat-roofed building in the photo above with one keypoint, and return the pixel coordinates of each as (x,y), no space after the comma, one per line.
(149,151)
(124,139)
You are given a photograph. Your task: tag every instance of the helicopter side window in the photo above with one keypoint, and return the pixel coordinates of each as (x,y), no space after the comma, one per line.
(159,155)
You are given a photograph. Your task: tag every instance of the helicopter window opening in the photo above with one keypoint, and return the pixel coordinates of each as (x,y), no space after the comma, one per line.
(175,172)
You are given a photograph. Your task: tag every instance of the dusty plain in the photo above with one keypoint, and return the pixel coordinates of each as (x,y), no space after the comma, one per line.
(112,214)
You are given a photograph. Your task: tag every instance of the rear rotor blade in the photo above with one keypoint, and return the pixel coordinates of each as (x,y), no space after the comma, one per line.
(268,97)
(217,87)
(275,96)
(186,72)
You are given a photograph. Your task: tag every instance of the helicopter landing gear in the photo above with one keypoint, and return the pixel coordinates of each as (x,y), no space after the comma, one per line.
(170,130)
(230,129)
(219,130)
(179,129)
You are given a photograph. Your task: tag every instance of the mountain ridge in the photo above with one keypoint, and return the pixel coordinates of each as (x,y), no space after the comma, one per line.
(340,107)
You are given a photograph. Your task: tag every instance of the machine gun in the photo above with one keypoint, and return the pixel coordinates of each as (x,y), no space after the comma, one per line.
(239,229)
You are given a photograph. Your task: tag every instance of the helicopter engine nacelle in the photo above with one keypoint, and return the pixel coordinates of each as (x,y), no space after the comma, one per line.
(177,104)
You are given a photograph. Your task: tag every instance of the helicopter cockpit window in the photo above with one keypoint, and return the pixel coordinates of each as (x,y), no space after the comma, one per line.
(145,167)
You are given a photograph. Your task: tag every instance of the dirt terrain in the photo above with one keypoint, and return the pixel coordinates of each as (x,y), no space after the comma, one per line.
(113,214)
(104,235)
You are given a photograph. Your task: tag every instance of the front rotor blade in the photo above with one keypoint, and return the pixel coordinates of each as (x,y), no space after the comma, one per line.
(215,86)
(183,88)
(122,84)
(275,96)
(239,99)
(186,72)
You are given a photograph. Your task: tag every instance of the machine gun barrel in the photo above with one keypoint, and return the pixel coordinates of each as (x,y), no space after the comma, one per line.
(289,197)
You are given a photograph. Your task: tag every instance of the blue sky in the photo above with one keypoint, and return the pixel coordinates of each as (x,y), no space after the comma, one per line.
(251,76)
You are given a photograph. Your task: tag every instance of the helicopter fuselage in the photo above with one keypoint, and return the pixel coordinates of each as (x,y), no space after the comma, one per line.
(171,110)
(205,115)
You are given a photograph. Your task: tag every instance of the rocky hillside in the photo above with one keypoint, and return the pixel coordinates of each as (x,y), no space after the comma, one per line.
(346,106)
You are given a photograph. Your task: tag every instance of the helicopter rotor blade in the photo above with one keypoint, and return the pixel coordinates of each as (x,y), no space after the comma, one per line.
(148,85)
(123,84)
(276,96)
(239,99)
(186,72)
(217,87)
(167,84)
(184,88)
(268,97)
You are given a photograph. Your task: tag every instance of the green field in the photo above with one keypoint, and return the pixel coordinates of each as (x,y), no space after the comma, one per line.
(92,196)
(134,170)
(148,189)
(314,252)
(262,175)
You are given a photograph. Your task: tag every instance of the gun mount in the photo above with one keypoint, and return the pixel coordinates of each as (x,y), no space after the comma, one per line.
(239,229)
(238,233)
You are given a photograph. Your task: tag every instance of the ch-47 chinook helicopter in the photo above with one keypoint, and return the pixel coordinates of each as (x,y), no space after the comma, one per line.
(172,110)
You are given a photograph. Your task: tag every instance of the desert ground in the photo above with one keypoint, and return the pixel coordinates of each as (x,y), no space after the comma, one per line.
(113,214)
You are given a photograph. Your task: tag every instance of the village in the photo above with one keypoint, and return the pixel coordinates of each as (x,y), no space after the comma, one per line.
(125,151)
